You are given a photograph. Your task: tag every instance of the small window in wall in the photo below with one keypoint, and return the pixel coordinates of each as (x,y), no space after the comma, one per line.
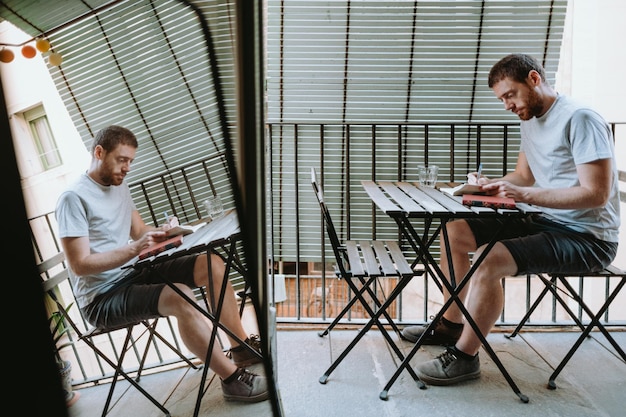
(45,144)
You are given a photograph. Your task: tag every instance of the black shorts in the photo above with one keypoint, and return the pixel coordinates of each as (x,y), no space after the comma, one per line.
(539,245)
(136,296)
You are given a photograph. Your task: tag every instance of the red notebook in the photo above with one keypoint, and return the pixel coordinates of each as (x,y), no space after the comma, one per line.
(157,248)
(490,201)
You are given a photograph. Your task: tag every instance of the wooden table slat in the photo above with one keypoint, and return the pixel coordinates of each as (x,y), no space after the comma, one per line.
(407,203)
(379,198)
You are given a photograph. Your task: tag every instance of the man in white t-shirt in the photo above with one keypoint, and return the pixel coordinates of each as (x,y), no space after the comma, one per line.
(566,166)
(101,231)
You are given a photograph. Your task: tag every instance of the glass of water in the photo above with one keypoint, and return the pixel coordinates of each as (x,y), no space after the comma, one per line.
(214,207)
(422,175)
(432,172)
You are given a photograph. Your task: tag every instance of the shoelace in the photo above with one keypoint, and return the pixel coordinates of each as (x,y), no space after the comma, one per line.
(246,377)
(254,341)
(446,358)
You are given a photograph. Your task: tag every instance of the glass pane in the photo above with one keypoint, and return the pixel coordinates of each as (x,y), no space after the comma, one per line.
(47,147)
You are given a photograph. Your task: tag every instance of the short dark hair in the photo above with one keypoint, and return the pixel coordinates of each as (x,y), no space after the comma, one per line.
(515,67)
(112,136)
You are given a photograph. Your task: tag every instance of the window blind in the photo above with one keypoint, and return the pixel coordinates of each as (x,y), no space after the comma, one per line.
(371,89)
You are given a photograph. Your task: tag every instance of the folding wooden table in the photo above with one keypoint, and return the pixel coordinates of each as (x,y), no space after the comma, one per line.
(219,236)
(405,202)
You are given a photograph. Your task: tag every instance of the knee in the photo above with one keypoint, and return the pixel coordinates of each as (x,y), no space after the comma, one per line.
(495,266)
(173,304)
(460,237)
(201,270)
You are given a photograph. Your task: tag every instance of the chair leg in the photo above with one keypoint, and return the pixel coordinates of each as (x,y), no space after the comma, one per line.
(154,334)
(595,322)
(530,311)
(358,296)
(550,285)
(243,295)
(375,320)
(347,307)
(120,372)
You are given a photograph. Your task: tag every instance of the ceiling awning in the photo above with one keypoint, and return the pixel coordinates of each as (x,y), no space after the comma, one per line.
(142,63)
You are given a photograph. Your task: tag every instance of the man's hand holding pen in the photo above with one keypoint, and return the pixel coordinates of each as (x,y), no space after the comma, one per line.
(170,222)
(477,178)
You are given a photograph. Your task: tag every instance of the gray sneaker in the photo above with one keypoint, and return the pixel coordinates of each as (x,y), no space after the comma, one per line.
(247,387)
(448,369)
(441,334)
(242,356)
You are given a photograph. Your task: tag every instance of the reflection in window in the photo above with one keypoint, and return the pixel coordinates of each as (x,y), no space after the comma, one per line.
(44,140)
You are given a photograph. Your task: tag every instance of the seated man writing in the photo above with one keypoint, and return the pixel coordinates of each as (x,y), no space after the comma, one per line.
(566,165)
(96,218)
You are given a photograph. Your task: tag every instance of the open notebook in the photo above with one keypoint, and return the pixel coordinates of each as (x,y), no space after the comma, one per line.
(462,189)
(184,229)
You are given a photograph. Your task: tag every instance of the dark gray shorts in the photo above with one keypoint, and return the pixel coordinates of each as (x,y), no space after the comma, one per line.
(540,245)
(136,296)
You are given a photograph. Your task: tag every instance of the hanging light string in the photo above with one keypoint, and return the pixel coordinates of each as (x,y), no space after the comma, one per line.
(42,44)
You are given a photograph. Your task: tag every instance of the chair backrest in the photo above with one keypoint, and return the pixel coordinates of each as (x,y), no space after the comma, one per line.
(53,280)
(55,276)
(330,227)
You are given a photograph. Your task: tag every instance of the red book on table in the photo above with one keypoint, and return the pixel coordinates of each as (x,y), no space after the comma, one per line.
(490,201)
(159,247)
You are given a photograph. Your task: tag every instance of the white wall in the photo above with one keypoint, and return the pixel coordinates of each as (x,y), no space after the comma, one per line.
(26,84)
(599,55)
(592,68)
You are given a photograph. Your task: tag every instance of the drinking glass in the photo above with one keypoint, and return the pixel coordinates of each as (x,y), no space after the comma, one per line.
(214,207)
(422,175)
(432,172)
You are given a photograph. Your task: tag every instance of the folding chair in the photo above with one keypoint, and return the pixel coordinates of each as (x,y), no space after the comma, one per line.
(52,282)
(568,290)
(360,264)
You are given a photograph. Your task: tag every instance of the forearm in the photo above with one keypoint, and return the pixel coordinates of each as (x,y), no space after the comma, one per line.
(518,179)
(96,263)
(563,198)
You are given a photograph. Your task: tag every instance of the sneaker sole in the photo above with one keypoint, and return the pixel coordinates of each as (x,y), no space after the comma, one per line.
(255,399)
(447,381)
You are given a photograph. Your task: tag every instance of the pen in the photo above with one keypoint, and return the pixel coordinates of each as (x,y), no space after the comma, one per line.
(480,170)
(167,217)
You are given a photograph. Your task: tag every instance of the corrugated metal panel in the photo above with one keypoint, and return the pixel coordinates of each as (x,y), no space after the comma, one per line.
(144,65)
(417,61)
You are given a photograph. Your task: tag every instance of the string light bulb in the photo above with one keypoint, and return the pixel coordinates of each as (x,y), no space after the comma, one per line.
(29,51)
(6,55)
(55,59)
(42,45)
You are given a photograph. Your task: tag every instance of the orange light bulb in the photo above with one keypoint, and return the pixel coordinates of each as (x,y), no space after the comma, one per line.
(29,51)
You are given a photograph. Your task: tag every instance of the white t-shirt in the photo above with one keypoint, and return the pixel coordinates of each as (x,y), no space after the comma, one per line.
(104,214)
(567,135)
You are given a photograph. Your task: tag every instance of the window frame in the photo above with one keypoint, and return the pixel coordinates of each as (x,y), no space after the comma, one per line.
(41,134)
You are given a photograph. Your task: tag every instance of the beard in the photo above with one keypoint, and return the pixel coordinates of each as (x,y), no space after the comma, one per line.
(533,108)
(109,177)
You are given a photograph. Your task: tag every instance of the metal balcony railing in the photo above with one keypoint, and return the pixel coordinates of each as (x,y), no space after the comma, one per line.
(307,290)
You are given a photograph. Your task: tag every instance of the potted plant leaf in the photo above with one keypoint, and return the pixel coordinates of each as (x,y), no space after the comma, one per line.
(59,329)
